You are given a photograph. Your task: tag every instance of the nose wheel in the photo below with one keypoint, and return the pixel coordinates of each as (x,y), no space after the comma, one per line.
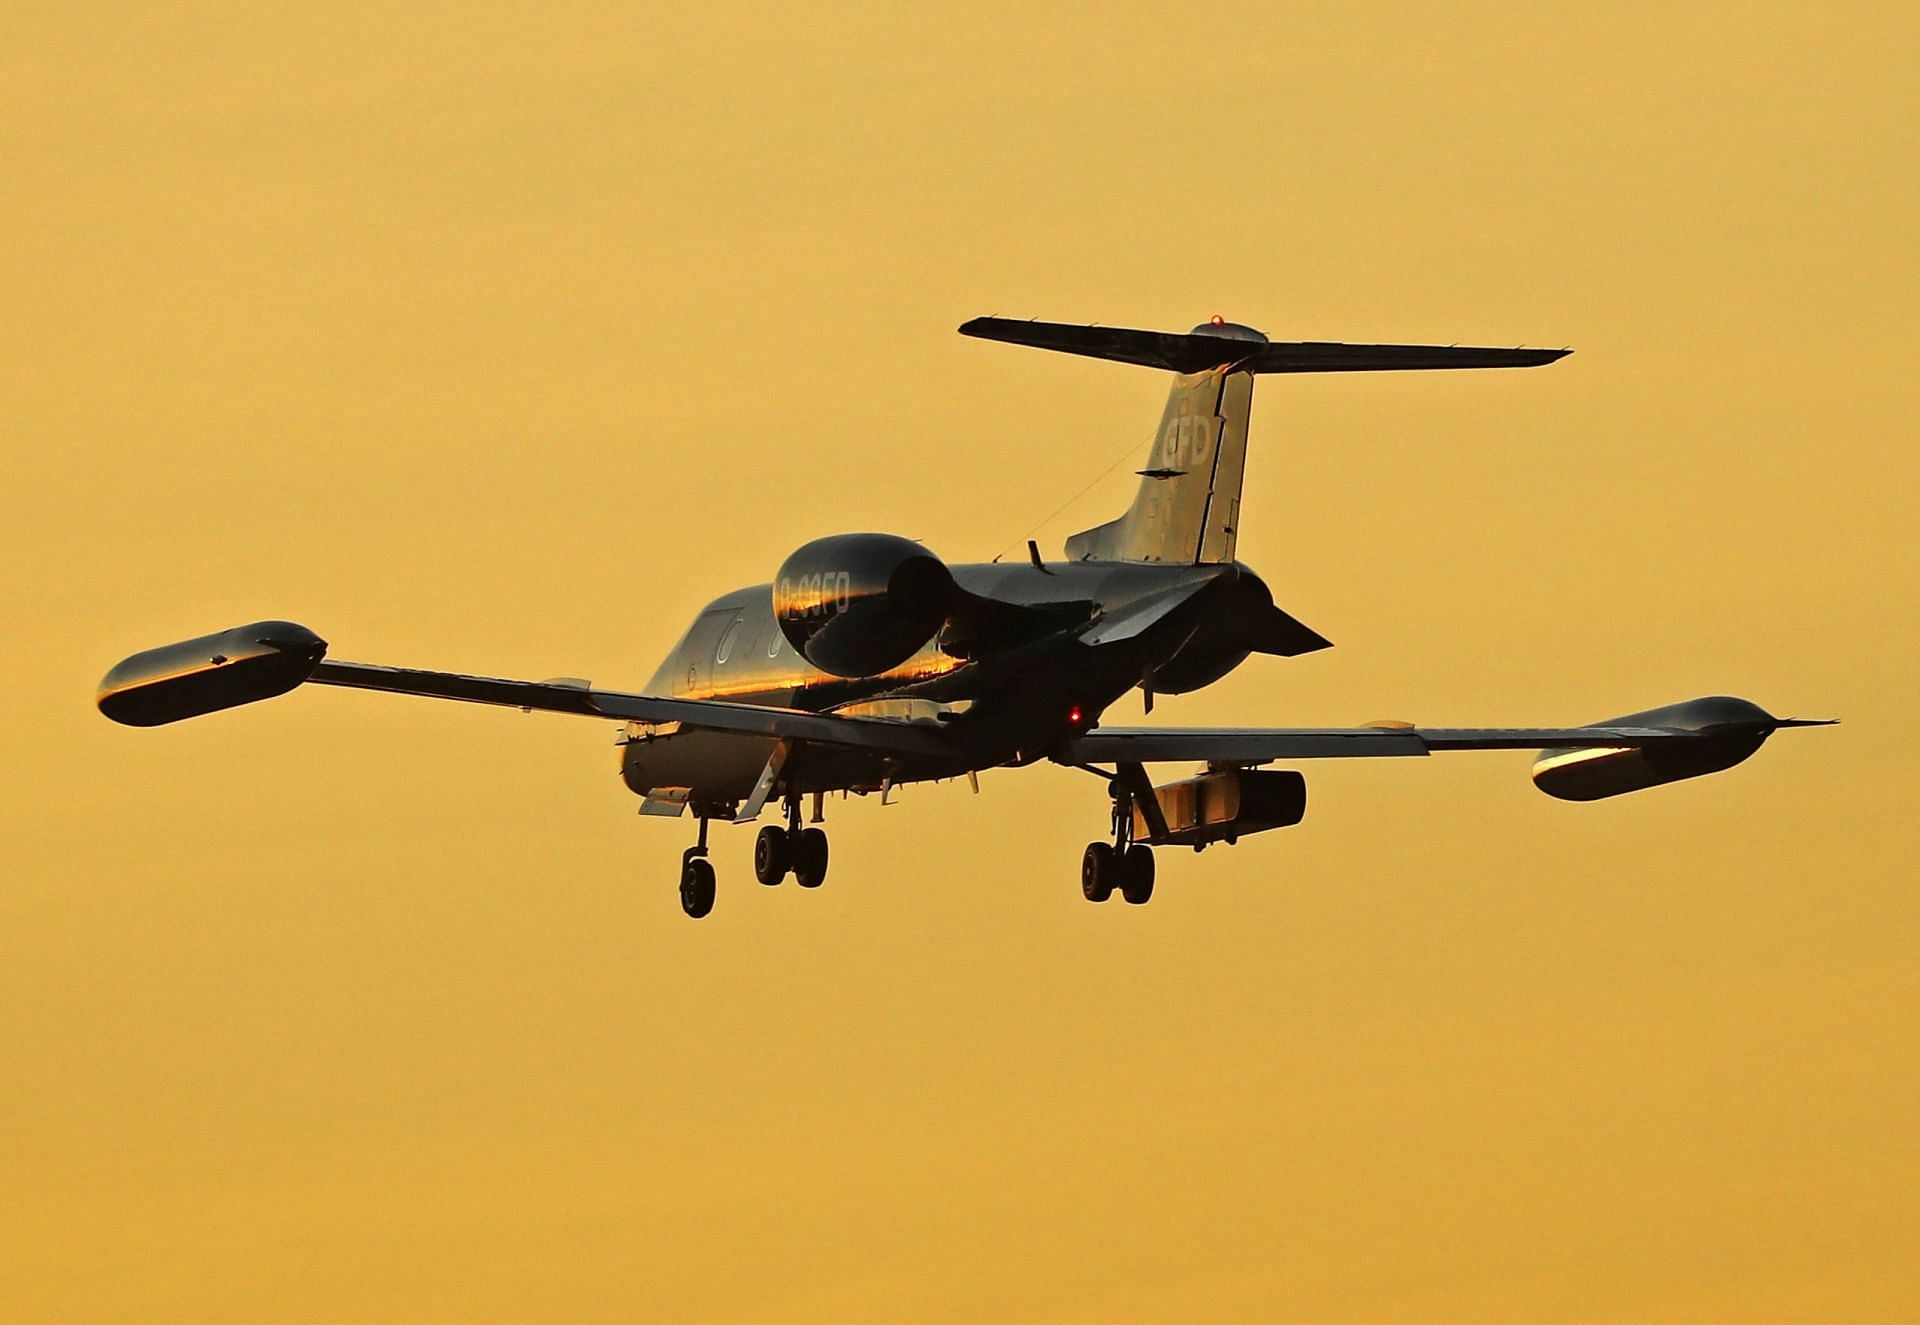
(696,883)
(696,877)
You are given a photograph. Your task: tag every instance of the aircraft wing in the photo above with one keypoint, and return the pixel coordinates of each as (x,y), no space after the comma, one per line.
(1668,744)
(892,735)
(1259,745)
(269,658)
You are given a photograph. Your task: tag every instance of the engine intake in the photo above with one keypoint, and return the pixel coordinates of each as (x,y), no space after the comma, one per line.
(860,604)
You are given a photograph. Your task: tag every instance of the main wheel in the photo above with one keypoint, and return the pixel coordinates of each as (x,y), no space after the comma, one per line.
(772,855)
(1097,872)
(696,886)
(1136,875)
(810,858)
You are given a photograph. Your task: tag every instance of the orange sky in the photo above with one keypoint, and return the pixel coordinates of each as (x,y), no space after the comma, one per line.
(500,339)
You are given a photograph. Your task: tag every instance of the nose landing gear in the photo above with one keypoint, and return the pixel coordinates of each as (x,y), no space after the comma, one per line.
(696,878)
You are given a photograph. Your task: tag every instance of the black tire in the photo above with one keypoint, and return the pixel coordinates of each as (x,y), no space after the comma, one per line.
(1136,875)
(1097,872)
(772,855)
(696,887)
(810,858)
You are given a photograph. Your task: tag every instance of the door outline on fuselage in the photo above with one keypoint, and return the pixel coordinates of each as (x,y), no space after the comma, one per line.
(695,676)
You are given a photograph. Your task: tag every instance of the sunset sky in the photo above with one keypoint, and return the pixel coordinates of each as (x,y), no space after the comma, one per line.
(501,338)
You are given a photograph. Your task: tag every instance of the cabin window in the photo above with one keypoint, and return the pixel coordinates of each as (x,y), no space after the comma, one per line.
(773,645)
(727,638)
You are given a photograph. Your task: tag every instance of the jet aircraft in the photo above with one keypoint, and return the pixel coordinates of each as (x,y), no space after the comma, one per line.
(868,662)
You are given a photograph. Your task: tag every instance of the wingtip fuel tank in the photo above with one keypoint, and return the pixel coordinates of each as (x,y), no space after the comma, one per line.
(214,672)
(1723,730)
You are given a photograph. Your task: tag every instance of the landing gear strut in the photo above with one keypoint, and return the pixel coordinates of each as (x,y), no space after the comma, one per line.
(696,877)
(1123,864)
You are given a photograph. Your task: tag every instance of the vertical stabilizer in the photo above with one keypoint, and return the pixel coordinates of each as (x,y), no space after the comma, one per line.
(1187,510)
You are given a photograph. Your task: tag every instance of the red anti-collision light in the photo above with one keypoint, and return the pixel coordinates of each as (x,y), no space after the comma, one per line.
(1074,715)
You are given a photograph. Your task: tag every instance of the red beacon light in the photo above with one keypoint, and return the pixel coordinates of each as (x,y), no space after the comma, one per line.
(1217,320)
(1075,716)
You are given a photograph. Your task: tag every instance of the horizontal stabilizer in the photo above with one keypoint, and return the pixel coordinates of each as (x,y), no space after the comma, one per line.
(1211,346)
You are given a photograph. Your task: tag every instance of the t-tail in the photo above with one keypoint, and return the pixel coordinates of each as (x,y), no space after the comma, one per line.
(1187,511)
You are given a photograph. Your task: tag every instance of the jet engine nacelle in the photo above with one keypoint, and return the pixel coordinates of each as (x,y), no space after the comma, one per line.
(859,604)
(1728,730)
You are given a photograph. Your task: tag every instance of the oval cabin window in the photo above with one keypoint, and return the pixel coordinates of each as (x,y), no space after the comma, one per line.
(727,638)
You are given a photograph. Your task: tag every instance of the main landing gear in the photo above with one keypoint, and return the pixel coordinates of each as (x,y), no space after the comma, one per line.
(1106,867)
(794,850)
(801,852)
(696,884)
(777,852)
(1123,863)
